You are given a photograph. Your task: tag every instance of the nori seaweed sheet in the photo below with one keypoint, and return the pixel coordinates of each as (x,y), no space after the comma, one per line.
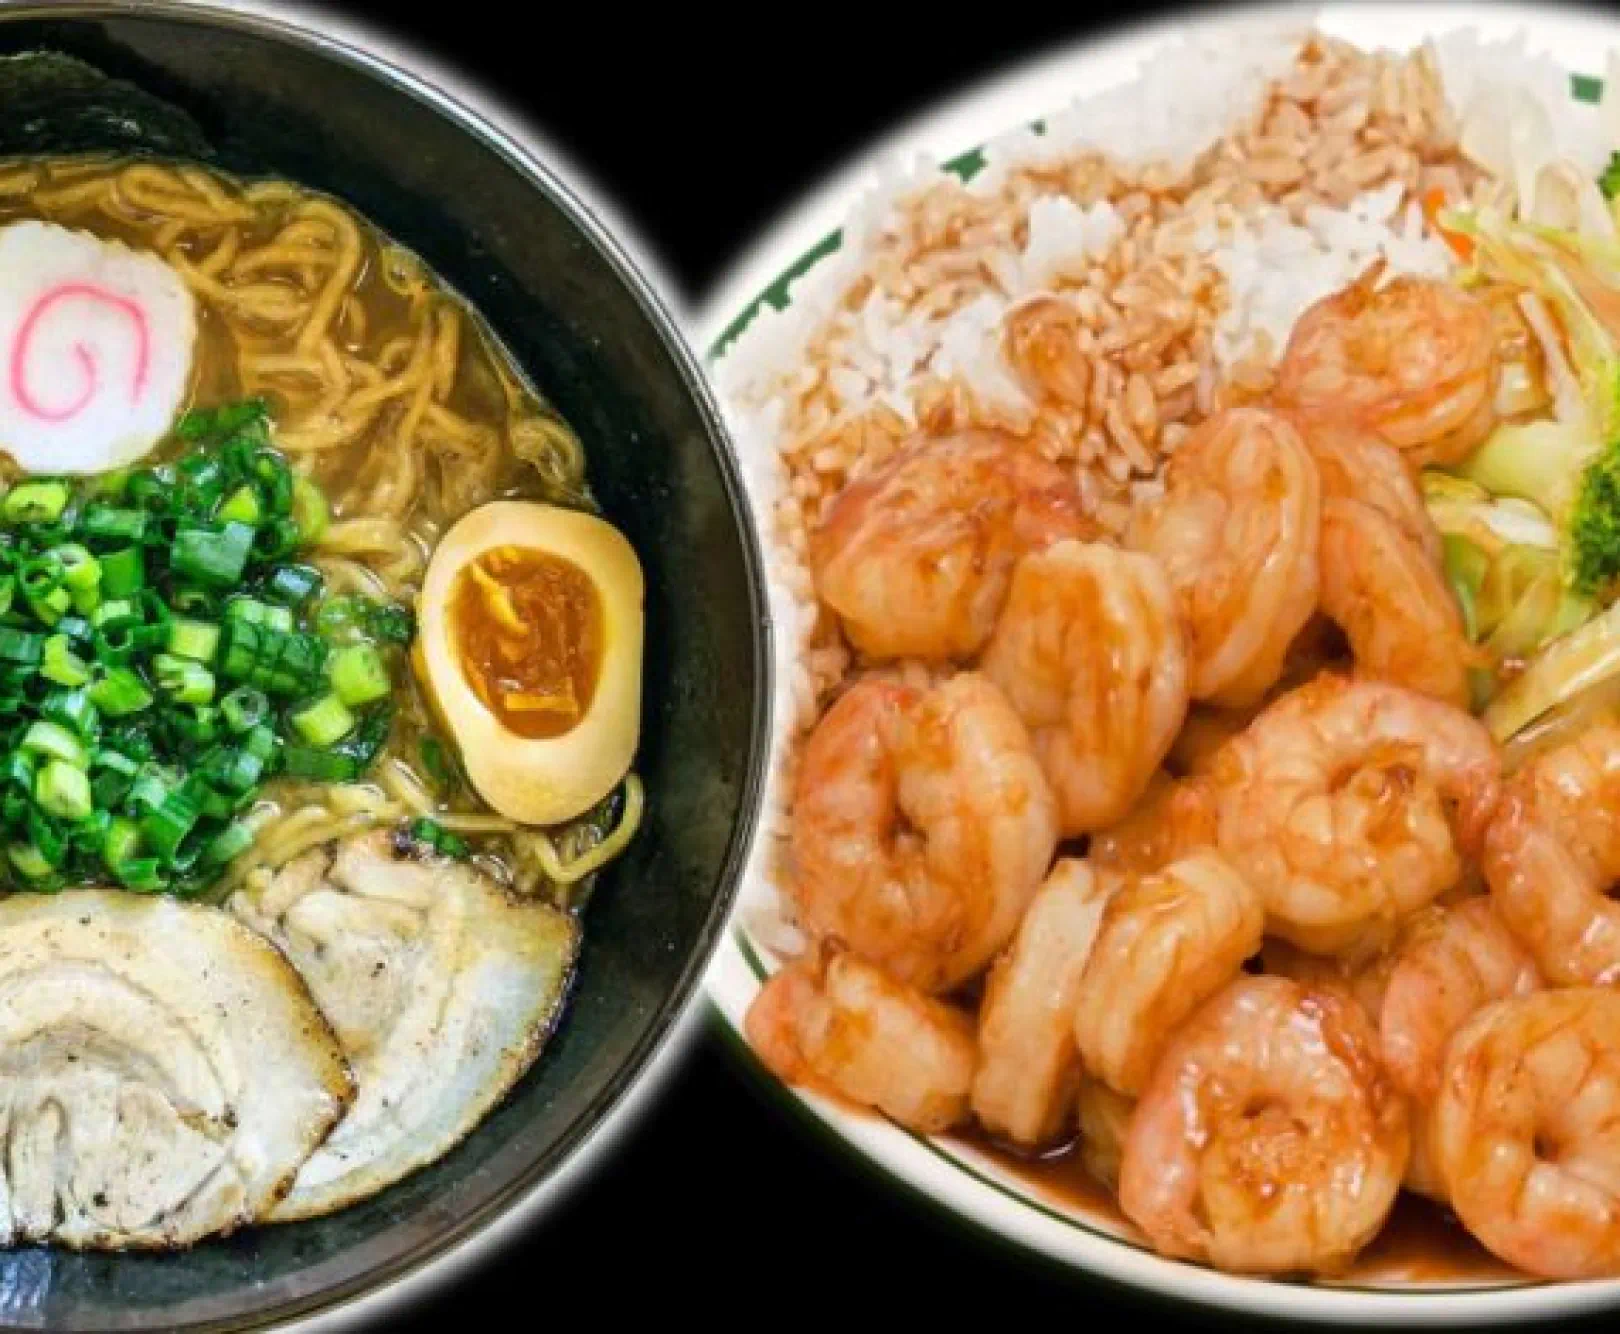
(52,103)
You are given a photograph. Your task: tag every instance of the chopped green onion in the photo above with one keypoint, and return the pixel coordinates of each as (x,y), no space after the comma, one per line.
(127,604)
(324,722)
(185,681)
(242,506)
(165,826)
(118,611)
(35,502)
(230,843)
(105,523)
(212,557)
(436,836)
(261,741)
(81,576)
(17,770)
(29,862)
(20,646)
(119,692)
(61,664)
(321,766)
(251,611)
(72,709)
(276,662)
(438,764)
(63,790)
(244,708)
(358,675)
(114,773)
(198,727)
(121,842)
(55,742)
(193,639)
(236,771)
(122,573)
(143,875)
(293,585)
(310,512)
(42,587)
(151,786)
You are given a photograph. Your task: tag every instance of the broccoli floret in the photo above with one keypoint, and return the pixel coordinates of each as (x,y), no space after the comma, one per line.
(1594,525)
(1608,180)
(1576,483)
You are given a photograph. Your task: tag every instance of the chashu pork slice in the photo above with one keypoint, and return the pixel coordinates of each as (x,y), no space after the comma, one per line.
(163,1071)
(440,986)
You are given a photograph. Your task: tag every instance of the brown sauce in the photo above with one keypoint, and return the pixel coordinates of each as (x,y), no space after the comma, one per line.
(1420,1242)
(528,627)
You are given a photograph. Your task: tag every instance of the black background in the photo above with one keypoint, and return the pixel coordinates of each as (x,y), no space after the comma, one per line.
(701,129)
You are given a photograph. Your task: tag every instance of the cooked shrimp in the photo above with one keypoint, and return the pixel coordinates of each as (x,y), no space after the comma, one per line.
(1356,465)
(1104,1119)
(1392,601)
(1167,943)
(1028,1068)
(1366,981)
(1089,652)
(1201,737)
(1349,804)
(1363,976)
(915,558)
(1237,531)
(1269,1139)
(1413,360)
(1174,817)
(1553,852)
(922,826)
(1320,646)
(835,1022)
(1464,958)
(1423,1175)
(1528,1130)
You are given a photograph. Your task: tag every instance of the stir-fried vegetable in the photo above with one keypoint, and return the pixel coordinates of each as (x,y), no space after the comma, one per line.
(1609,179)
(1559,674)
(1574,478)
(1568,466)
(1532,524)
(162,657)
(1503,563)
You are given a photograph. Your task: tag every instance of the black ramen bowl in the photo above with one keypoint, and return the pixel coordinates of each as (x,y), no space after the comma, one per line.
(254,97)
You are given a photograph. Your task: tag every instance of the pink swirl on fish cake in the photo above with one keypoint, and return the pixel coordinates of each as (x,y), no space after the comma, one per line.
(21,350)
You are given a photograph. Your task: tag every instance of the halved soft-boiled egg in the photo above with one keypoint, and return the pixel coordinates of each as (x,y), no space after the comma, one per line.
(96,344)
(529,644)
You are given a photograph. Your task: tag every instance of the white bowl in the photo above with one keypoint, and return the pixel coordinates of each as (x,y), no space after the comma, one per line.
(973,1185)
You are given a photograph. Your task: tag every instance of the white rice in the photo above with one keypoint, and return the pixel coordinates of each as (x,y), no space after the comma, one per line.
(1275,269)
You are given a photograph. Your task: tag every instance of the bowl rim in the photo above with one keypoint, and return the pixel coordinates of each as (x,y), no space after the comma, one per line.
(950,1190)
(499,1220)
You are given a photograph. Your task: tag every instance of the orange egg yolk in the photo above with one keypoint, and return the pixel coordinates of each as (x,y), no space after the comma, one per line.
(527,627)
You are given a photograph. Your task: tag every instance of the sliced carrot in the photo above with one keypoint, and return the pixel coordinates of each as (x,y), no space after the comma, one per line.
(1433,201)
